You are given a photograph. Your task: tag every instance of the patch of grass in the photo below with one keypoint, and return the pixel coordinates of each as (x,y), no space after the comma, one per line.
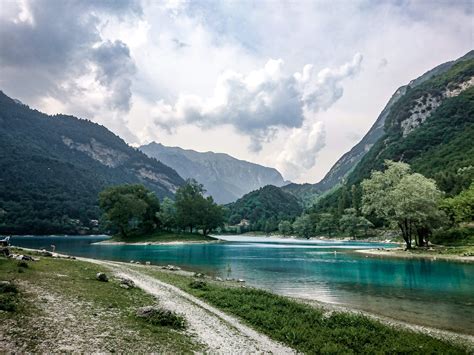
(23,264)
(104,305)
(308,329)
(164,318)
(163,237)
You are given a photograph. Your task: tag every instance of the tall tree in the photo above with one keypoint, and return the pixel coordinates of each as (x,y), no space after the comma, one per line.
(409,201)
(130,208)
(189,202)
(303,226)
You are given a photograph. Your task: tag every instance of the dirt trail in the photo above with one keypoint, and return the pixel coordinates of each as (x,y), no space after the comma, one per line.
(220,332)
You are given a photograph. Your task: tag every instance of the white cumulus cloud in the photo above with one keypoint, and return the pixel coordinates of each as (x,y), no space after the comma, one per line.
(258,103)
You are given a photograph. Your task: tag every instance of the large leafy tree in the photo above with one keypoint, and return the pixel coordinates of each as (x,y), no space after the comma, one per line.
(303,226)
(130,208)
(193,210)
(167,214)
(409,201)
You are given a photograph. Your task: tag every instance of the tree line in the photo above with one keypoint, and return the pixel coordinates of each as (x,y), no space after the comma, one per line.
(133,209)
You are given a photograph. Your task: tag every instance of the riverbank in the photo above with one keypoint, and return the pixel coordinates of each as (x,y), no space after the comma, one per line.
(221,316)
(458,254)
(160,238)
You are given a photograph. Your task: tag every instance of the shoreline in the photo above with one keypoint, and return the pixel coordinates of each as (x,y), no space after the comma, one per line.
(402,254)
(112,242)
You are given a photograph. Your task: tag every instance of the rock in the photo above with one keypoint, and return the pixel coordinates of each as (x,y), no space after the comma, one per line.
(71,257)
(127,282)
(171,268)
(198,274)
(137,262)
(229,279)
(147,263)
(27,258)
(218,278)
(44,252)
(132,261)
(146,311)
(240,280)
(102,277)
(124,286)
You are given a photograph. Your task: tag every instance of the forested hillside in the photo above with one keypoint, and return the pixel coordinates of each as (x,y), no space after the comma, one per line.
(431,128)
(264,208)
(52,168)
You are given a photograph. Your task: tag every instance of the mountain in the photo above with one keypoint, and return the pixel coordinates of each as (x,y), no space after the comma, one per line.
(224,177)
(349,160)
(52,168)
(342,169)
(431,127)
(264,208)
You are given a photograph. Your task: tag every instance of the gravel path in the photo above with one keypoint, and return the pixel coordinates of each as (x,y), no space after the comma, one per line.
(221,332)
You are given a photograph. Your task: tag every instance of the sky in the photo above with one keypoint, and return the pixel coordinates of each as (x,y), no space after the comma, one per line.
(287,84)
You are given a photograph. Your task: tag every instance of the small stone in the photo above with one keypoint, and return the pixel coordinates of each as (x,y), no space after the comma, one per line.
(132,261)
(102,277)
(147,263)
(240,280)
(219,278)
(127,282)
(124,286)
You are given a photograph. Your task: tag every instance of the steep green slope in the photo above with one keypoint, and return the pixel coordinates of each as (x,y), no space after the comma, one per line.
(52,167)
(432,128)
(265,207)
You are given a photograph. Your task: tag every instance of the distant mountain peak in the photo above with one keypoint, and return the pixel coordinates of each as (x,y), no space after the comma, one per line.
(225,177)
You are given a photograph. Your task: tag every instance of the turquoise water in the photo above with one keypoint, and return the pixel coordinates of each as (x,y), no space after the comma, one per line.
(434,293)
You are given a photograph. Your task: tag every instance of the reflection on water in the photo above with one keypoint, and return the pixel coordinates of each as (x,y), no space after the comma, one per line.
(434,293)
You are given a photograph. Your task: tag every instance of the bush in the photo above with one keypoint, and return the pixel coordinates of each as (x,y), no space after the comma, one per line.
(454,236)
(23,264)
(198,285)
(162,317)
(8,292)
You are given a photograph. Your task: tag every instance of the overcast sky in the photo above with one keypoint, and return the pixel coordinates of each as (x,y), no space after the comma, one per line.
(287,84)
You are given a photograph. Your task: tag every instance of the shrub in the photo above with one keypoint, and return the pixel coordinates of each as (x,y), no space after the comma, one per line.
(198,285)
(23,264)
(8,292)
(162,317)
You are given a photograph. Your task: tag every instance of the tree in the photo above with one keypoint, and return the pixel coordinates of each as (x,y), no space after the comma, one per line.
(193,210)
(211,216)
(303,227)
(409,201)
(130,208)
(327,223)
(351,224)
(461,207)
(284,227)
(189,202)
(167,214)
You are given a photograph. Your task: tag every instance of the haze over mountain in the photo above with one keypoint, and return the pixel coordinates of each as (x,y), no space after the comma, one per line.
(53,167)
(224,177)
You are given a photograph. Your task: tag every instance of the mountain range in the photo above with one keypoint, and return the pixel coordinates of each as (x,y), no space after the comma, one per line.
(52,168)
(224,177)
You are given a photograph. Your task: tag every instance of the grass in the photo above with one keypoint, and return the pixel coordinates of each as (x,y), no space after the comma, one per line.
(104,306)
(306,328)
(163,237)
(164,318)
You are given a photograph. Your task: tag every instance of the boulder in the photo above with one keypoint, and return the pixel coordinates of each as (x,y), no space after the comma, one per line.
(171,268)
(219,278)
(127,282)
(102,277)
(147,263)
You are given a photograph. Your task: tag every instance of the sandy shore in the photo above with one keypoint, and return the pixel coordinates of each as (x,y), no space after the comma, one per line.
(401,253)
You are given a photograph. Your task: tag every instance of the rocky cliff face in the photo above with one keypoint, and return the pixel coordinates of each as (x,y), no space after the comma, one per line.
(224,177)
(349,160)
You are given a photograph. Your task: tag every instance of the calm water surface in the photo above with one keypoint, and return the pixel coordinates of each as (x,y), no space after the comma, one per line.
(433,293)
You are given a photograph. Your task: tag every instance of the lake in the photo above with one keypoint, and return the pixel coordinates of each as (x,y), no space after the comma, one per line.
(434,293)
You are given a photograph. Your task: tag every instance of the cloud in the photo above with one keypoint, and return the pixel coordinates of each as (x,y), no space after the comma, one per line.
(49,49)
(382,63)
(258,103)
(115,68)
(301,149)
